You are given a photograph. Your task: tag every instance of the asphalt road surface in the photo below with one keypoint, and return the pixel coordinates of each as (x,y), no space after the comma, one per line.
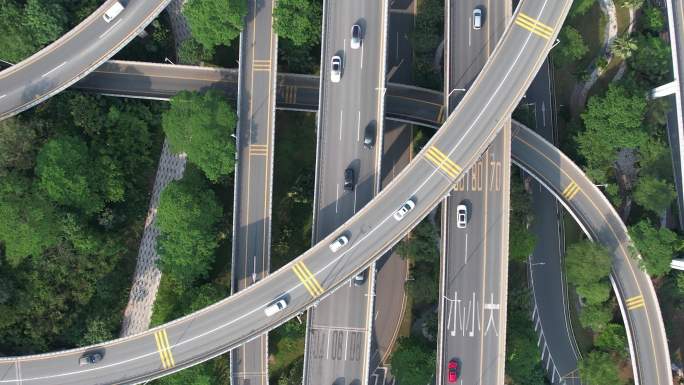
(338,329)
(372,231)
(468,49)
(254,176)
(474,270)
(392,270)
(557,343)
(475,259)
(424,107)
(600,222)
(73,56)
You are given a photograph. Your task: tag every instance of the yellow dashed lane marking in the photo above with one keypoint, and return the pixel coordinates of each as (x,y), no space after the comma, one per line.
(571,190)
(443,162)
(534,26)
(635,302)
(164,349)
(308,280)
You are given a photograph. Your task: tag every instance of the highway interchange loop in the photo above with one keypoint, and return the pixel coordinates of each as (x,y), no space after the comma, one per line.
(472,126)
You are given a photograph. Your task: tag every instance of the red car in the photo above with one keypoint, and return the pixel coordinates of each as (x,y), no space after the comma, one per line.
(453,370)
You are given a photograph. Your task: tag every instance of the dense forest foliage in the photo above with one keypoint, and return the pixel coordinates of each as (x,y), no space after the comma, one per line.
(76,173)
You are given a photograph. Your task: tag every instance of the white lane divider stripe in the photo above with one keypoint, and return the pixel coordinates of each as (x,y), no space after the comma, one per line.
(109,30)
(49,72)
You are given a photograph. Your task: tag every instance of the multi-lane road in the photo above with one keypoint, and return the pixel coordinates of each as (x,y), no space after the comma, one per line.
(372,230)
(550,312)
(474,270)
(474,260)
(73,56)
(338,329)
(254,176)
(466,134)
(425,107)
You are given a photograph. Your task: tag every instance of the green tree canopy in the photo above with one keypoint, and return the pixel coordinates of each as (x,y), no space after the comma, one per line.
(522,354)
(580,7)
(413,362)
(624,46)
(594,293)
(187,218)
(422,245)
(656,245)
(612,122)
(47,20)
(655,159)
(597,368)
(521,242)
(201,125)
(298,21)
(25,27)
(653,19)
(69,175)
(587,263)
(612,339)
(634,4)
(201,374)
(596,317)
(294,374)
(19,143)
(571,47)
(192,52)
(654,194)
(28,223)
(652,60)
(215,22)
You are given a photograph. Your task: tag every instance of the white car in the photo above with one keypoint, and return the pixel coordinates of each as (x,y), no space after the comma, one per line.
(336,69)
(404,209)
(461,216)
(339,243)
(356,38)
(275,307)
(477,18)
(113,12)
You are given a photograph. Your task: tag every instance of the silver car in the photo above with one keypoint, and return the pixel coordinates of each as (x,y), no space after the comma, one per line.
(336,69)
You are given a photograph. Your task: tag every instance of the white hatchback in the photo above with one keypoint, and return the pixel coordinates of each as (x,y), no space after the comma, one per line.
(339,243)
(404,209)
(275,307)
(461,216)
(335,69)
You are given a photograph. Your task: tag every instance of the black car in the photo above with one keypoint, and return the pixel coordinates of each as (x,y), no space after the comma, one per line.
(359,279)
(89,358)
(369,136)
(349,179)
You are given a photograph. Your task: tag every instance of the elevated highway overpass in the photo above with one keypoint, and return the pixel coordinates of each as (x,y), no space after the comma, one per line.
(73,56)
(239,318)
(424,107)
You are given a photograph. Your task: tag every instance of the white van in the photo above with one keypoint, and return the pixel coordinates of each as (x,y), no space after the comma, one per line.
(113,12)
(275,307)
